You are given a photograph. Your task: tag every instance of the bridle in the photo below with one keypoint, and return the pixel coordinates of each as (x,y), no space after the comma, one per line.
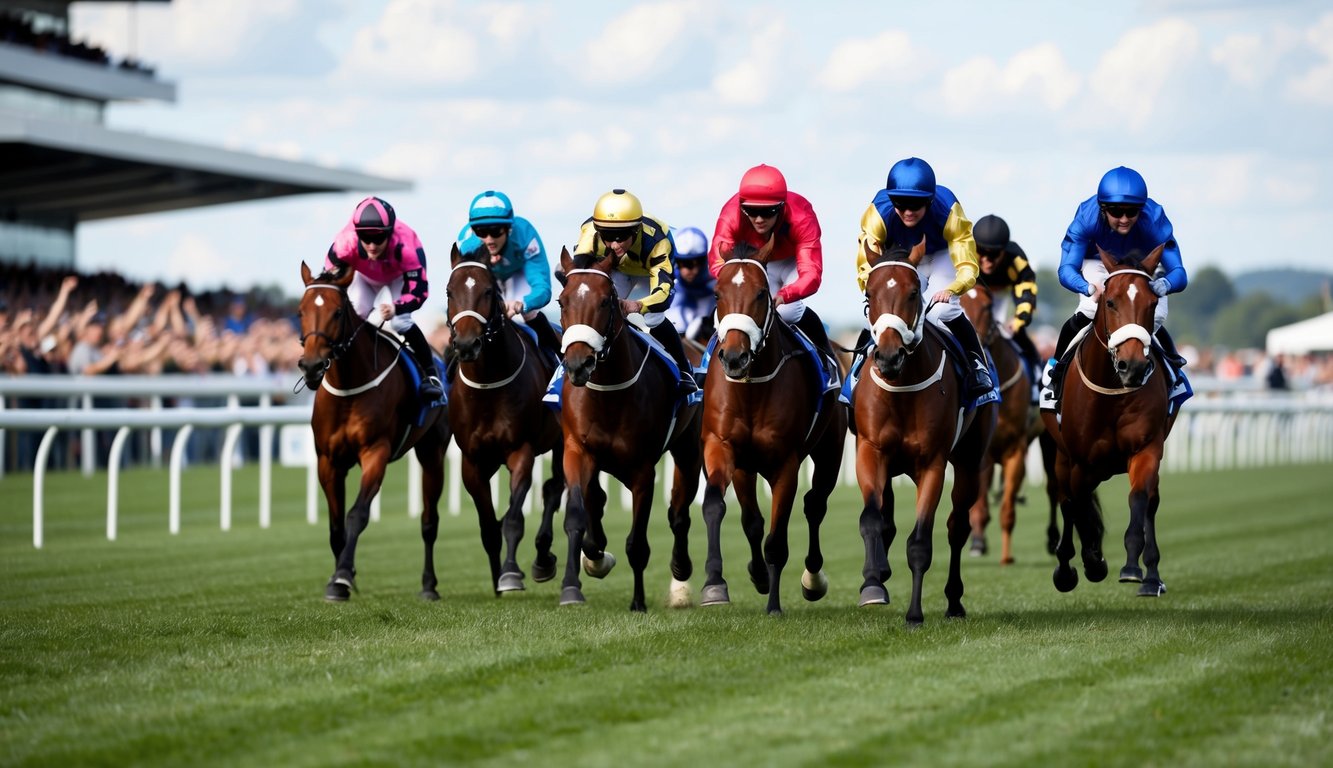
(339,345)
(739,321)
(491,325)
(912,333)
(601,342)
(1128,330)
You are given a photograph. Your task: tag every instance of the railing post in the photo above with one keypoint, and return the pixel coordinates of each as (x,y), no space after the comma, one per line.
(113,482)
(38,480)
(177,458)
(265,467)
(89,458)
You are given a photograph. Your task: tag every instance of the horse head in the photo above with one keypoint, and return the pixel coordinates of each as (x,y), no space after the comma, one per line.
(475,303)
(895,306)
(978,304)
(589,311)
(1124,317)
(745,307)
(327,321)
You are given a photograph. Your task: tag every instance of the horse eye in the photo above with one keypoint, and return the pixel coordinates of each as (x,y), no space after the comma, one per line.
(1110,304)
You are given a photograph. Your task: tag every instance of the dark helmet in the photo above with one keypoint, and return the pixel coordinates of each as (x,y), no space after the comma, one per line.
(991,232)
(912,177)
(1122,185)
(374,213)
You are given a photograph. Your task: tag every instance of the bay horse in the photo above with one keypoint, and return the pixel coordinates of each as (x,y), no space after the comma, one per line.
(762,417)
(498,418)
(619,416)
(911,419)
(366,407)
(1113,418)
(1017,425)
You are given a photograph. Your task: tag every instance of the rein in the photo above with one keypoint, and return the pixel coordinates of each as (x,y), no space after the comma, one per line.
(491,328)
(911,334)
(600,342)
(1115,339)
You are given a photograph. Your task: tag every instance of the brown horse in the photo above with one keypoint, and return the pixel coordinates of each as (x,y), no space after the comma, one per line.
(762,417)
(618,416)
(1017,424)
(365,412)
(1113,418)
(911,419)
(498,418)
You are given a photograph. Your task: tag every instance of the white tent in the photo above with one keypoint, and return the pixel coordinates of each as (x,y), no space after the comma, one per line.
(1313,335)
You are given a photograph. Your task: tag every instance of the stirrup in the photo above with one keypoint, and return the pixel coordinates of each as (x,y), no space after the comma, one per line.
(431,387)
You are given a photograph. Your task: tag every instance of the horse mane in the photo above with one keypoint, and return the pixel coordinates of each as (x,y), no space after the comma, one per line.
(478,255)
(329,275)
(897,252)
(586,260)
(746,251)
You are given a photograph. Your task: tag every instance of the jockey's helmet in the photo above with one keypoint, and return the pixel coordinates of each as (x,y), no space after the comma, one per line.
(691,243)
(991,232)
(375,214)
(490,207)
(912,177)
(617,209)
(763,185)
(1122,185)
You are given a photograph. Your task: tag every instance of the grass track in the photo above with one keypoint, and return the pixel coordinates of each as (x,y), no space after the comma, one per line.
(214,648)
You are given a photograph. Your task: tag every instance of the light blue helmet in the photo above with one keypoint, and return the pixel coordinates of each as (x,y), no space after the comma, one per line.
(691,243)
(491,207)
(912,177)
(1122,185)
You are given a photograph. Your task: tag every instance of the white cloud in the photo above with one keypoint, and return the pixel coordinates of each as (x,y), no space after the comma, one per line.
(1315,86)
(888,57)
(750,81)
(1132,74)
(1243,58)
(635,44)
(980,86)
(415,42)
(198,260)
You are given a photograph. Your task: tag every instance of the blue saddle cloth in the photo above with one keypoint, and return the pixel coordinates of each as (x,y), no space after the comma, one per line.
(549,354)
(957,356)
(414,372)
(557,383)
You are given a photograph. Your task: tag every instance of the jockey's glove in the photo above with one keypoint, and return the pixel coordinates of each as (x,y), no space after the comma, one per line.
(1160,286)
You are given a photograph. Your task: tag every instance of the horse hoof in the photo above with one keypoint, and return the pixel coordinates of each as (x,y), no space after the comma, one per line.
(814,585)
(1065,578)
(429,595)
(874,594)
(600,567)
(915,622)
(510,582)
(956,612)
(758,577)
(1006,561)
(1096,570)
(715,594)
(1131,574)
(978,547)
(1152,588)
(543,571)
(571,596)
(337,592)
(680,595)
(774,611)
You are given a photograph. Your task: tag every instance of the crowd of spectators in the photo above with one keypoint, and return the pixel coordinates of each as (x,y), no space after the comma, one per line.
(17,29)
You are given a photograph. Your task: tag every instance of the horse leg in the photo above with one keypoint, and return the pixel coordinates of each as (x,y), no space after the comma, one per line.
(1090,531)
(579,469)
(430,454)
(872,476)
(1065,577)
(637,549)
(1048,450)
(334,482)
(776,549)
(979,514)
(828,464)
(967,487)
(477,481)
(1014,473)
(599,561)
(520,482)
(543,565)
(684,485)
(719,463)
(752,522)
(1141,536)
(929,488)
(373,461)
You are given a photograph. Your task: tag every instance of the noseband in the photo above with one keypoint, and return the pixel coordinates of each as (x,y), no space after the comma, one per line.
(1129,330)
(739,321)
(601,343)
(911,334)
(492,325)
(341,344)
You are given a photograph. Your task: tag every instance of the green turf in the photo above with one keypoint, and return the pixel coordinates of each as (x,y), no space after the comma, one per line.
(217,648)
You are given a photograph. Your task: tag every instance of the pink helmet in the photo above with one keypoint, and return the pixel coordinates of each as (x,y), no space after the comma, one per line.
(373,213)
(763,185)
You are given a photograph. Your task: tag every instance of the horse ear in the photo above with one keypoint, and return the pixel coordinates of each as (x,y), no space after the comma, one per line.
(306,277)
(918,252)
(872,256)
(566,262)
(455,255)
(1107,259)
(1149,264)
(344,277)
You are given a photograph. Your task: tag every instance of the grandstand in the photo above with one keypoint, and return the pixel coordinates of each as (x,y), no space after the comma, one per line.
(60,165)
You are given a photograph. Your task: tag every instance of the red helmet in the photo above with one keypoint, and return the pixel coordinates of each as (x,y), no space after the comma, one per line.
(763,185)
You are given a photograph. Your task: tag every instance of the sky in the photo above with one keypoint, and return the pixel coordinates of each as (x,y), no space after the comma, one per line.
(1224,106)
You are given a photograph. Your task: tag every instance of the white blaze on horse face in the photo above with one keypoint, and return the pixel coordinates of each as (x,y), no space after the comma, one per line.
(319,301)
(583,290)
(470,283)
(1133,293)
(739,279)
(972,293)
(892,283)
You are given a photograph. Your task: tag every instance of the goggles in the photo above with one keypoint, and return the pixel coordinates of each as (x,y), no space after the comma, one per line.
(1122,211)
(910,203)
(372,236)
(490,230)
(761,211)
(616,235)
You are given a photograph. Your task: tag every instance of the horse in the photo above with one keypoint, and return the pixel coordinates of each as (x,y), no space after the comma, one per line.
(1113,418)
(911,419)
(365,413)
(618,417)
(1017,425)
(762,417)
(498,418)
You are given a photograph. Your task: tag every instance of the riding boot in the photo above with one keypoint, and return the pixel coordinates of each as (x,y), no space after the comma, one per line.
(1068,331)
(431,390)
(1169,351)
(978,381)
(545,334)
(665,333)
(814,330)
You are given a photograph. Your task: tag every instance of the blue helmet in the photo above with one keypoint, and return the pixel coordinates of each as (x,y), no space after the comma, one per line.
(691,243)
(1122,185)
(490,207)
(912,177)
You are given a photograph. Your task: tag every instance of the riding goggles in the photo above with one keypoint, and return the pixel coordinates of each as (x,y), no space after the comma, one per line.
(372,236)
(909,203)
(493,230)
(1122,211)
(761,211)
(615,235)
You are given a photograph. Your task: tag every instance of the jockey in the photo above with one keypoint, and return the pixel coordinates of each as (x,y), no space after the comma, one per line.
(910,207)
(1005,266)
(1122,220)
(764,209)
(385,252)
(517,258)
(642,250)
(695,297)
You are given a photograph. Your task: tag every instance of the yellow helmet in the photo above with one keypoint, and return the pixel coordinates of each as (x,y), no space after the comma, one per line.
(617,209)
